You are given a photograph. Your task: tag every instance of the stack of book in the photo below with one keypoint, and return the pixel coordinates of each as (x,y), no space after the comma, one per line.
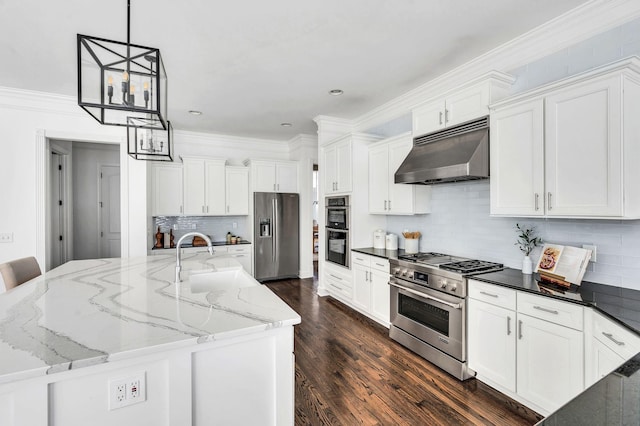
(563,265)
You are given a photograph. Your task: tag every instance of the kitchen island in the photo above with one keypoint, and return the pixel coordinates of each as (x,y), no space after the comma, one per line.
(218,348)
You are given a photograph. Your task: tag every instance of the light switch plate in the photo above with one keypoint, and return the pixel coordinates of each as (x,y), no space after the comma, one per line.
(593,251)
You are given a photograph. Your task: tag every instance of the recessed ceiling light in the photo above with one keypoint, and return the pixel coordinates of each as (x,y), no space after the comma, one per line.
(336,92)
(286,124)
(195,112)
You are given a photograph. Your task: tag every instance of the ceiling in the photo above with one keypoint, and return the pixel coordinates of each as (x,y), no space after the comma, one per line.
(251,65)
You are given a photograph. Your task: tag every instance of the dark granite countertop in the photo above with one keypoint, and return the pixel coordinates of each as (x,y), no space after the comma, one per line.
(387,254)
(213,243)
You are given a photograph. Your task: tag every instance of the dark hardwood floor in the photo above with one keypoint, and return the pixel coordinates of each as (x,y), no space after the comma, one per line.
(349,372)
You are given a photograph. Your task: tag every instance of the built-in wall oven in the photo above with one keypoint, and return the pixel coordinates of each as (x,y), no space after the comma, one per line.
(428,307)
(337,230)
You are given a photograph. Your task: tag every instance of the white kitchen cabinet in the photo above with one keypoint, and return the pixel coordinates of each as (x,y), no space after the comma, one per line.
(491,342)
(338,167)
(607,346)
(237,190)
(166,189)
(371,293)
(385,196)
(529,347)
(557,151)
(463,104)
(550,362)
(243,254)
(273,176)
(204,186)
(339,282)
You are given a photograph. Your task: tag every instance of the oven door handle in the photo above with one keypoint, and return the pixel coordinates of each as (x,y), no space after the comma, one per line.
(426,296)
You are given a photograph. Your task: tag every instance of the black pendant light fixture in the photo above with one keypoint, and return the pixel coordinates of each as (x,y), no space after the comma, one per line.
(124,84)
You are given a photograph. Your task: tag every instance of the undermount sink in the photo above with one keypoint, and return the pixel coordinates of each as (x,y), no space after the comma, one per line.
(231,279)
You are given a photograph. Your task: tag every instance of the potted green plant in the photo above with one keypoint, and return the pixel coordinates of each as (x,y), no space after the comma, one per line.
(526,242)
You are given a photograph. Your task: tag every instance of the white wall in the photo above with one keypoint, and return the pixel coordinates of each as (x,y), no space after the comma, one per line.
(87,159)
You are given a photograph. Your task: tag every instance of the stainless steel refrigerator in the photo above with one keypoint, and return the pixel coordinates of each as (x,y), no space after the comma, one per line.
(276,236)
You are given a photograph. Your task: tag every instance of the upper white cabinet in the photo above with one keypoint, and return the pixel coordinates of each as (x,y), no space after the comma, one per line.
(273,176)
(463,104)
(385,196)
(569,149)
(213,189)
(166,189)
(337,167)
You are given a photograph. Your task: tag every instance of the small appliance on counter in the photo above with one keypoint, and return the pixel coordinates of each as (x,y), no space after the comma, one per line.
(391,242)
(379,237)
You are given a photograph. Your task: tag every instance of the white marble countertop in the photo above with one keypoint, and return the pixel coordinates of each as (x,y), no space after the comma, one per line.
(89,312)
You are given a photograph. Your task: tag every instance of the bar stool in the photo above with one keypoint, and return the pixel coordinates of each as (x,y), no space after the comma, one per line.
(19,271)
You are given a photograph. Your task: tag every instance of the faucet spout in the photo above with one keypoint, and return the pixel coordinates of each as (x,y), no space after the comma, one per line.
(178,253)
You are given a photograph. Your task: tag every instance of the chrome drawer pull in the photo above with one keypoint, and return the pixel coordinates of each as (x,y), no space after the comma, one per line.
(489,294)
(508,326)
(540,308)
(337,278)
(536,201)
(610,337)
(520,329)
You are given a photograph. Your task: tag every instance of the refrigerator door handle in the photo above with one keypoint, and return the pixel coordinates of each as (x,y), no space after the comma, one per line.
(275,228)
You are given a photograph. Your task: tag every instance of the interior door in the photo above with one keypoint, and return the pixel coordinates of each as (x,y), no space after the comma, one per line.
(109,199)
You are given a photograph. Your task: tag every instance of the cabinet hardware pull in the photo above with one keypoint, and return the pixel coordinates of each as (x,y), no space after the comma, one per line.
(377,264)
(549,200)
(207,209)
(520,329)
(446,115)
(551,311)
(337,278)
(385,204)
(227,209)
(440,117)
(537,201)
(366,275)
(610,337)
(489,294)
(508,326)
(202,209)
(180,209)
(278,187)
(389,205)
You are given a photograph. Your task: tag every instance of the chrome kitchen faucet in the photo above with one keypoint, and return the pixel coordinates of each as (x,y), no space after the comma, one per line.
(179,257)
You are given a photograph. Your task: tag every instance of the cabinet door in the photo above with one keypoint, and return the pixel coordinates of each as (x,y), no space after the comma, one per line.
(237,191)
(401,196)
(492,342)
(467,105)
(330,177)
(344,167)
(194,187)
(550,362)
(583,151)
(215,177)
(264,177)
(167,190)
(517,160)
(286,177)
(380,295)
(428,118)
(361,287)
(600,362)
(379,179)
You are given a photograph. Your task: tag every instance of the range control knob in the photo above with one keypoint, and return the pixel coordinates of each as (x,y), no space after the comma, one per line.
(404,272)
(396,271)
(453,287)
(443,284)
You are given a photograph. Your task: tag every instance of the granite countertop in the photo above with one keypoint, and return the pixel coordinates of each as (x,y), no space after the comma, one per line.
(213,243)
(90,312)
(387,254)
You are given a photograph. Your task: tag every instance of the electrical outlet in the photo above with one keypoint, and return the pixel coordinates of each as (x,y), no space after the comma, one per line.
(235,225)
(127,391)
(593,251)
(6,237)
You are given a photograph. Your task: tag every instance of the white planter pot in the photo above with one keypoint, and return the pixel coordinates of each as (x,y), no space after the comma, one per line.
(527,265)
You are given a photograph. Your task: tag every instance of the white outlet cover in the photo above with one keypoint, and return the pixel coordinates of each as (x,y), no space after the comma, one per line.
(127,390)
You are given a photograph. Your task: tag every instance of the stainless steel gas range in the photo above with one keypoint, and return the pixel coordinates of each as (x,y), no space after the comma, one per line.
(428,306)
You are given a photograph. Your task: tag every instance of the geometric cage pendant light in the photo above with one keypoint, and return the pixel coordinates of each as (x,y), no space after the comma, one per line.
(124,84)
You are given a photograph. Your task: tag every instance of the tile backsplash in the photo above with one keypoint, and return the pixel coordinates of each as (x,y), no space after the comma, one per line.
(216,227)
(460,224)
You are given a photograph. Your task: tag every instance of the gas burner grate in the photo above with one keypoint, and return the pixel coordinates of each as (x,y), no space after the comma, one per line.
(416,257)
(469,266)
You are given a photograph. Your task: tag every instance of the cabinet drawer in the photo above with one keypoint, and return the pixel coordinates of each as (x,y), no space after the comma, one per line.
(555,311)
(239,249)
(380,264)
(339,285)
(360,259)
(493,294)
(617,338)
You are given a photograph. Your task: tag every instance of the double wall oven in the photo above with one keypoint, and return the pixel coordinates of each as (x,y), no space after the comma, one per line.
(337,230)
(428,306)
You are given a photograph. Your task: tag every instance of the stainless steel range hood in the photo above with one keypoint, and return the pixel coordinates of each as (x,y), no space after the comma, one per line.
(458,153)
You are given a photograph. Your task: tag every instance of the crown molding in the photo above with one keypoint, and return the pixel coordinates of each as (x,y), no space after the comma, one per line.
(303,140)
(34,101)
(576,25)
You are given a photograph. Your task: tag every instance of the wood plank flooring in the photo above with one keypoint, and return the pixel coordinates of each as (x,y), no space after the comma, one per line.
(349,372)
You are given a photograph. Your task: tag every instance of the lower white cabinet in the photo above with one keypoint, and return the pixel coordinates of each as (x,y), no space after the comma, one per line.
(607,346)
(339,282)
(529,356)
(371,294)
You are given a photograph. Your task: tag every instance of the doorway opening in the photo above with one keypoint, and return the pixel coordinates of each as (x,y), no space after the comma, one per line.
(315,239)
